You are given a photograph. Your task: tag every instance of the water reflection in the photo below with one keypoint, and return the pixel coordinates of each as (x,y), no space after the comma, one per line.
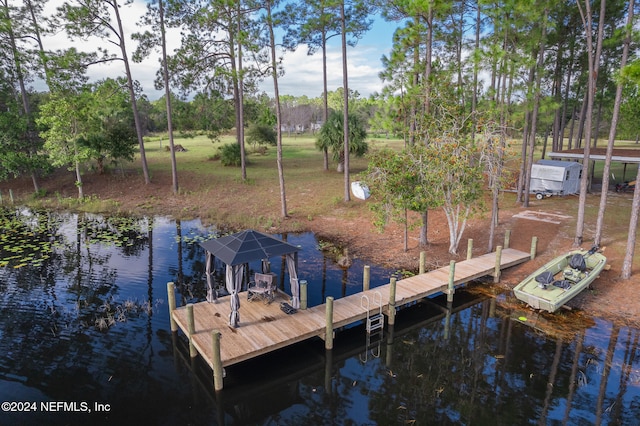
(83,317)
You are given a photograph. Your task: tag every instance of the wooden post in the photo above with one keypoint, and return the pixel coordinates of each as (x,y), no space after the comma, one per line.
(534,245)
(303,294)
(507,238)
(328,334)
(451,287)
(192,329)
(469,248)
(218,373)
(366,277)
(422,262)
(171,295)
(392,301)
(497,271)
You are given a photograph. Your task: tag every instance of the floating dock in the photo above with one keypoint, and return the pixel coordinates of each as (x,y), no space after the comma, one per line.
(265,327)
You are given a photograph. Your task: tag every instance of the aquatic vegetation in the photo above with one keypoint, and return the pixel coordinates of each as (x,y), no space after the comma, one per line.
(29,237)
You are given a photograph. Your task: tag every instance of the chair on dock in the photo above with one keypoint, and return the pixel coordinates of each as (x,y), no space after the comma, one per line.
(262,287)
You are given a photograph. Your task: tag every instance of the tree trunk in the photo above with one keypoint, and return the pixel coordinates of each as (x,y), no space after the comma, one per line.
(536,107)
(132,93)
(325,95)
(627,264)
(423,240)
(167,94)
(276,92)
(243,157)
(594,61)
(345,83)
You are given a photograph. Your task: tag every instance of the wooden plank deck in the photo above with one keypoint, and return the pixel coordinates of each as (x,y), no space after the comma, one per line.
(265,328)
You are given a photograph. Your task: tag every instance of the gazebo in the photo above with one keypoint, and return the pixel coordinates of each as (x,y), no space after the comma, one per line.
(236,251)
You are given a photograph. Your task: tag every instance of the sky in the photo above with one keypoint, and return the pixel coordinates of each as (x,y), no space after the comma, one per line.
(303,73)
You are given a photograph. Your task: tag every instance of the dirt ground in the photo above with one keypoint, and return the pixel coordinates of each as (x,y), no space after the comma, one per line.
(349,225)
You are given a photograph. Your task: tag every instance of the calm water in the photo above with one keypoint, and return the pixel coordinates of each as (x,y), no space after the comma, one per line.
(84,326)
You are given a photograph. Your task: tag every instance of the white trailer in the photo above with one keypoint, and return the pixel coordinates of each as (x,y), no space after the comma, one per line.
(555,177)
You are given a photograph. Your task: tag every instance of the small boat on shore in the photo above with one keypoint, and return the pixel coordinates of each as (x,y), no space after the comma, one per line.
(561,279)
(360,190)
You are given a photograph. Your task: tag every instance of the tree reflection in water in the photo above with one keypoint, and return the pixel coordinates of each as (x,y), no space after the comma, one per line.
(471,363)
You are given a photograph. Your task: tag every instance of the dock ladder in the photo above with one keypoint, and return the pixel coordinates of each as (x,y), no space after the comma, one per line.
(374,326)
(376,321)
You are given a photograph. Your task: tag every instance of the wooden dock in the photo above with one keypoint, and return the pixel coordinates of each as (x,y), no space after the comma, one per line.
(265,327)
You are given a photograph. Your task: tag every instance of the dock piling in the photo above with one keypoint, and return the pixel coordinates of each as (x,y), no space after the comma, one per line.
(328,334)
(497,270)
(171,295)
(507,238)
(392,301)
(451,286)
(469,248)
(534,245)
(423,262)
(218,374)
(191,323)
(303,294)
(366,278)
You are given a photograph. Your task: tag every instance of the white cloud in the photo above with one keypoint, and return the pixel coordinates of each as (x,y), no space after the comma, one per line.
(303,73)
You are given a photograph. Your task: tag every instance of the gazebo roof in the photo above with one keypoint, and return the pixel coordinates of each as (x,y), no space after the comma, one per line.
(247,246)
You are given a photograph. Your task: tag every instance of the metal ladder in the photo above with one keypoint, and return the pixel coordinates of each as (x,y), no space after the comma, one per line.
(376,321)
(374,326)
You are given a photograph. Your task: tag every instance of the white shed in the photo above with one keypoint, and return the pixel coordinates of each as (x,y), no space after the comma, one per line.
(555,177)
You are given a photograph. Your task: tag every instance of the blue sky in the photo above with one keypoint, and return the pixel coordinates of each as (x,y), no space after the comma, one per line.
(303,73)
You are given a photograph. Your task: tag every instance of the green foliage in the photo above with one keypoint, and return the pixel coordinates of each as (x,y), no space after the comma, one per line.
(230,154)
(331,136)
(260,134)
(424,177)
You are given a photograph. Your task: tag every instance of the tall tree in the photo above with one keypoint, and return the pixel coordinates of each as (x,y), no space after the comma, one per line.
(276,92)
(155,17)
(64,119)
(211,59)
(345,112)
(16,26)
(94,18)
(593,60)
(614,125)
(315,22)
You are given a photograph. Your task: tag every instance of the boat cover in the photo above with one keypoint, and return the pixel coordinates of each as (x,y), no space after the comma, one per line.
(577,262)
(545,278)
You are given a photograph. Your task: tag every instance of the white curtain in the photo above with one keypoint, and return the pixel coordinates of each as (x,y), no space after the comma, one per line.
(293,280)
(212,295)
(233,281)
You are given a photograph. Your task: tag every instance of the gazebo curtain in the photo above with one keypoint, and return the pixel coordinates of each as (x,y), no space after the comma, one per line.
(212,295)
(292,261)
(233,280)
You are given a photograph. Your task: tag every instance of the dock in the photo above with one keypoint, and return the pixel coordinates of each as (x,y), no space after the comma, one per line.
(264,327)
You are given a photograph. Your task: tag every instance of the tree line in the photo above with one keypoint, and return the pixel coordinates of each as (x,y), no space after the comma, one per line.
(463,76)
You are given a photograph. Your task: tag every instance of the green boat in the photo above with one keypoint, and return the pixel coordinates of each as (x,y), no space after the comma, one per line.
(560,280)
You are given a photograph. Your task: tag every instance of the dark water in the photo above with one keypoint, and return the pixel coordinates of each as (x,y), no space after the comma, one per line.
(84,326)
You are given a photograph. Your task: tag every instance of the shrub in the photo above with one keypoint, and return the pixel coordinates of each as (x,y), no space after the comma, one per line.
(259,134)
(230,154)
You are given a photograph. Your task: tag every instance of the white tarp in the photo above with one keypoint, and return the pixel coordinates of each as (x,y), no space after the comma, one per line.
(559,177)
